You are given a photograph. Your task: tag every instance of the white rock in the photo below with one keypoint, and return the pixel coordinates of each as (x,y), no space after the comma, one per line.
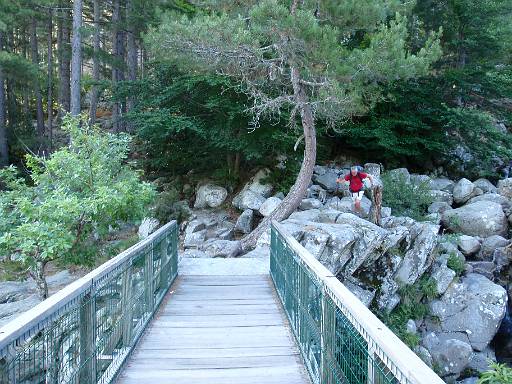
(269,206)
(147,227)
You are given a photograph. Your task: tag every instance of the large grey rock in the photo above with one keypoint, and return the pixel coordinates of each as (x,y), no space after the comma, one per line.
(485,185)
(257,185)
(442,184)
(195,254)
(463,191)
(468,245)
(450,355)
(505,188)
(195,233)
(475,307)
(310,203)
(10,310)
(493,197)
(327,180)
(438,207)
(443,276)
(400,174)
(269,206)
(372,168)
(421,180)
(489,245)
(222,248)
(346,204)
(482,218)
(316,192)
(469,380)
(248,199)
(302,216)
(11,291)
(484,268)
(479,361)
(147,227)
(244,222)
(423,354)
(441,196)
(364,295)
(385,212)
(420,256)
(210,196)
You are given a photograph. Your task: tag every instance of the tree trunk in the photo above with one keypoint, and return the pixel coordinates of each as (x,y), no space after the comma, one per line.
(76,58)
(37,273)
(4,152)
(37,89)
(131,56)
(63,43)
(96,63)
(298,190)
(375,210)
(50,76)
(116,14)
(12,106)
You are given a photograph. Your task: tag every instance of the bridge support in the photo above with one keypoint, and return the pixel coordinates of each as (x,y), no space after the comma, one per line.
(87,323)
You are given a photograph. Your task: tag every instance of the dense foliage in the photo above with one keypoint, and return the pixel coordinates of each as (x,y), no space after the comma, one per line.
(69,200)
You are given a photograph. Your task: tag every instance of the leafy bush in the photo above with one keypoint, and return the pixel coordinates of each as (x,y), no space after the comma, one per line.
(77,195)
(455,263)
(499,374)
(405,198)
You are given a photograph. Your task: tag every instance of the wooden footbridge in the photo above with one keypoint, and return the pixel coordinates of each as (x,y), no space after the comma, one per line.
(136,319)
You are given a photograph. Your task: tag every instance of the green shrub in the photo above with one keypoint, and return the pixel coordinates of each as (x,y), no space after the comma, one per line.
(455,263)
(499,374)
(405,198)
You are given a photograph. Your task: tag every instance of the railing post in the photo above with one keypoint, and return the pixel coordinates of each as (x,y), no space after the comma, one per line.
(148,279)
(126,302)
(164,270)
(87,325)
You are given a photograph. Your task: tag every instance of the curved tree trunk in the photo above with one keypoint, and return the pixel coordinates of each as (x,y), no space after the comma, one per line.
(298,190)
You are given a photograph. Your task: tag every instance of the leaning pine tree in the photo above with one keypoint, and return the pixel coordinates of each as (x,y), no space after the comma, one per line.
(321,59)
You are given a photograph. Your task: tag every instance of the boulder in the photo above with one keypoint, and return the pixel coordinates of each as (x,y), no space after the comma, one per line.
(421,180)
(463,191)
(489,245)
(443,276)
(364,295)
(195,254)
(474,306)
(244,222)
(450,355)
(10,310)
(222,248)
(316,192)
(400,174)
(195,233)
(419,256)
(11,291)
(493,197)
(482,218)
(248,199)
(372,169)
(147,227)
(385,212)
(310,203)
(505,188)
(346,204)
(438,207)
(441,196)
(442,184)
(479,361)
(423,354)
(257,185)
(210,196)
(327,180)
(410,326)
(302,216)
(468,245)
(484,268)
(485,185)
(269,206)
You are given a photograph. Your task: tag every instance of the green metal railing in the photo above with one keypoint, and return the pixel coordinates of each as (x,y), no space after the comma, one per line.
(341,341)
(84,333)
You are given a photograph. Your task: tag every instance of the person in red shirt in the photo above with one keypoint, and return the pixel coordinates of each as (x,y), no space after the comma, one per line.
(356,185)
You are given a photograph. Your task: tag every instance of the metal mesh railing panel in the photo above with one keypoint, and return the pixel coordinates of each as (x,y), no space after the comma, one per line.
(334,347)
(88,339)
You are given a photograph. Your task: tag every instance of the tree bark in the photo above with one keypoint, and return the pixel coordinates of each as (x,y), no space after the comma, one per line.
(37,88)
(298,190)
(12,106)
(76,58)
(116,15)
(63,44)
(50,76)
(131,57)
(37,273)
(96,63)
(375,210)
(4,152)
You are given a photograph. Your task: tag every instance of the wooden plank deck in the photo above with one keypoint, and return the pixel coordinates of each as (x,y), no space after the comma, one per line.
(217,330)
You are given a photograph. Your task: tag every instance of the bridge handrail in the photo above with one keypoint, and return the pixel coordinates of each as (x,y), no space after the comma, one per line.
(150,266)
(321,308)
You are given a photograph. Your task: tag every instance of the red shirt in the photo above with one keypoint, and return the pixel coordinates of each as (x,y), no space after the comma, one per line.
(356,182)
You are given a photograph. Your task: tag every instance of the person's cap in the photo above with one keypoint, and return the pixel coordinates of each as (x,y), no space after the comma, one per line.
(353,168)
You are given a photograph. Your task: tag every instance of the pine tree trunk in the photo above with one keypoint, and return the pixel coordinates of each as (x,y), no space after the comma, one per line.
(96,63)
(63,44)
(4,152)
(37,88)
(131,57)
(12,106)
(50,76)
(76,58)
(298,190)
(116,14)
